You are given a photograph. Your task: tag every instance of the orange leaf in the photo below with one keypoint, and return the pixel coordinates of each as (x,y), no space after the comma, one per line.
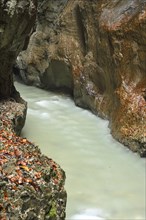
(24,140)
(25,168)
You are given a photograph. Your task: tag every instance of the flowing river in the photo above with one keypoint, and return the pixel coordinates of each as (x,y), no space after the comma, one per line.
(104,179)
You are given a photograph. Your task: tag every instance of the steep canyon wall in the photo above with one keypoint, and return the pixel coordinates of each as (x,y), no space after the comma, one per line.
(97,52)
(31,184)
(16,21)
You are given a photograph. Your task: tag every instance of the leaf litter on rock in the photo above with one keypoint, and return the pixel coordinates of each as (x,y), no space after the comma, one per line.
(22,166)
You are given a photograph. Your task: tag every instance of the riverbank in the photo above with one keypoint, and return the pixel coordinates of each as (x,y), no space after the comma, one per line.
(31,184)
(104,178)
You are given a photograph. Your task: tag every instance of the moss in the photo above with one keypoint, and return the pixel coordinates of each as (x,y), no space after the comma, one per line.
(53,212)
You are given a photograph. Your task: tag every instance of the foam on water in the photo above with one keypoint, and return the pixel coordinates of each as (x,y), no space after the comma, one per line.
(43,103)
(89,214)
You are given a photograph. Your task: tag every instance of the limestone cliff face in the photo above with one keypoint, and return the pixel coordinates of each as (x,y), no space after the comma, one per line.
(31,184)
(98,52)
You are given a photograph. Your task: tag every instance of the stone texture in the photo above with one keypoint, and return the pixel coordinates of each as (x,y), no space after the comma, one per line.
(31,184)
(16,21)
(101,47)
(12,115)
(44,71)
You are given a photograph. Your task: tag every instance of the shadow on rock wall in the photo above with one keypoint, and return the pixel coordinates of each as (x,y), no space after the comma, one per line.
(31,184)
(96,50)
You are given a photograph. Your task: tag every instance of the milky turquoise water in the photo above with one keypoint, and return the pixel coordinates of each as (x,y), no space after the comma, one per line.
(104,179)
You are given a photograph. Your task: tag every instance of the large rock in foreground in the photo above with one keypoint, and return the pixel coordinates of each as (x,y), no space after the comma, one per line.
(98,52)
(31,184)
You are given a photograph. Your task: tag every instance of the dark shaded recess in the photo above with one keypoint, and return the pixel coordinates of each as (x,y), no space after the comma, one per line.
(142,149)
(100,82)
(98,79)
(20,75)
(16,74)
(81,29)
(115,81)
(16,70)
(26,42)
(58,77)
(144,96)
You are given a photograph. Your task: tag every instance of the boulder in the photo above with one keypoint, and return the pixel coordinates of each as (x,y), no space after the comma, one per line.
(98,52)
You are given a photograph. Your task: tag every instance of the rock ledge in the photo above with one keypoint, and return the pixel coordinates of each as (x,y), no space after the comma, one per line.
(31,184)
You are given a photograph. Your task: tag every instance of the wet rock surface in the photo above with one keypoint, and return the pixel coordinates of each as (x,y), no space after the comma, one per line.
(102,48)
(31,184)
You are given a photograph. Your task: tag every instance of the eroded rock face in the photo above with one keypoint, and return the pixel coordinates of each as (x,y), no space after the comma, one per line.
(31,184)
(16,21)
(44,71)
(102,46)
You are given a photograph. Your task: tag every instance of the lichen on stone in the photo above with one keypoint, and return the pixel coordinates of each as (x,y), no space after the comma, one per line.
(11,6)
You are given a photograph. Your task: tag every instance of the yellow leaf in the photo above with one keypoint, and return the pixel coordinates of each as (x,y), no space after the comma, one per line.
(25,168)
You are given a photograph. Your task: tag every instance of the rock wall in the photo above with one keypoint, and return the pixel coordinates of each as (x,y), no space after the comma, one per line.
(16,21)
(31,184)
(98,52)
(37,65)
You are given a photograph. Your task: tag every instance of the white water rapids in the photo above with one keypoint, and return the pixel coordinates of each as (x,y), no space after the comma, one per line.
(104,179)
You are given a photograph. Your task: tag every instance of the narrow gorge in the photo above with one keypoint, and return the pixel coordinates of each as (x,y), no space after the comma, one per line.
(94,52)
